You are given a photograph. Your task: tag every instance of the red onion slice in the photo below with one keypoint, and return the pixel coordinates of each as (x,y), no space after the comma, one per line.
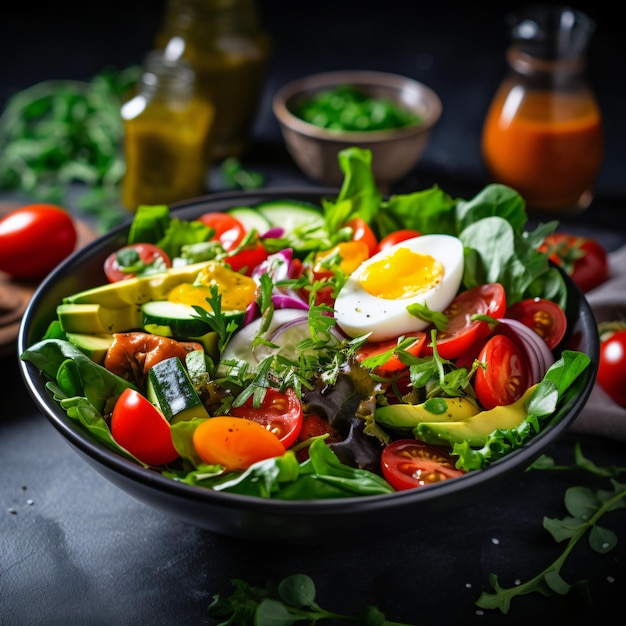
(536,348)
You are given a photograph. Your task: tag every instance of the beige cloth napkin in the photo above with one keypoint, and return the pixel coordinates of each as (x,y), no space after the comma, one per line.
(601,416)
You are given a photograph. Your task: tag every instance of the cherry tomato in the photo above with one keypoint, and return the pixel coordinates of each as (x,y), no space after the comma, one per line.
(139,427)
(612,366)
(135,259)
(280,413)
(229,231)
(248,257)
(408,463)
(393,364)
(506,375)
(235,442)
(34,239)
(461,331)
(361,231)
(396,237)
(545,317)
(583,258)
(324,296)
(315,426)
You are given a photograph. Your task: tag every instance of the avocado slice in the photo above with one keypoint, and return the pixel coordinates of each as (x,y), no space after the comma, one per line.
(94,346)
(137,290)
(94,319)
(409,415)
(474,430)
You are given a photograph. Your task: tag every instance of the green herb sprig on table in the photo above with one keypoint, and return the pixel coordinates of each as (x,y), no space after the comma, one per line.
(586,508)
(292,601)
(236,176)
(59,132)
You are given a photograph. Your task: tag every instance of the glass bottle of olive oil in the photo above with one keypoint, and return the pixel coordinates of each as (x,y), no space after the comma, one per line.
(167,127)
(229,50)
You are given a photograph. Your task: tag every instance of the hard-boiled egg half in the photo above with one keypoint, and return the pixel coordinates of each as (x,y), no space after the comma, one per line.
(426,270)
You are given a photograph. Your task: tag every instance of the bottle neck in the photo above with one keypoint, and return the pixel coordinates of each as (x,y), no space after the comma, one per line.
(528,65)
(223,16)
(163,78)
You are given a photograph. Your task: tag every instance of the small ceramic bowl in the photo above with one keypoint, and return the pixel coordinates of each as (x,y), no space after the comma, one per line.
(395,152)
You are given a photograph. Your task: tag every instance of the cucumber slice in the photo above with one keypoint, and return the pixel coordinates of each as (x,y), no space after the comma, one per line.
(292,215)
(171,390)
(179,320)
(251,219)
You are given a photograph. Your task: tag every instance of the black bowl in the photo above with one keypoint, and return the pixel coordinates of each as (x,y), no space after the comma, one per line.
(301,522)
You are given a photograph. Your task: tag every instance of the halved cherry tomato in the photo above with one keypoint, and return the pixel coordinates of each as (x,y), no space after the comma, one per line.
(34,239)
(361,231)
(393,364)
(396,237)
(229,231)
(461,331)
(139,427)
(408,463)
(134,260)
(545,317)
(582,258)
(280,413)
(506,375)
(235,442)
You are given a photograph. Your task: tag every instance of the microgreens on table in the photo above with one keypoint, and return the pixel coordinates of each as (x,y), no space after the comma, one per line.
(586,508)
(292,601)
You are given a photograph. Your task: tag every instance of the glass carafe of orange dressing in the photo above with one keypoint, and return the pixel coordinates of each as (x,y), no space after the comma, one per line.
(543,131)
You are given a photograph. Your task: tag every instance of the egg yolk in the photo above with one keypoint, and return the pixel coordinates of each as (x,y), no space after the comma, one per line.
(403,274)
(237,290)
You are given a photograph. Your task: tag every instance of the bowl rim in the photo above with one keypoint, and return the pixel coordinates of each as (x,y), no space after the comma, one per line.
(321,80)
(100,455)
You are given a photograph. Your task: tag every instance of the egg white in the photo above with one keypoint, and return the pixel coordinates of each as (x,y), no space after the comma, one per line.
(357,312)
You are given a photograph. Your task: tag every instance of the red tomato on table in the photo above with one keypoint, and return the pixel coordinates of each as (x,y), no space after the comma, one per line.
(612,366)
(34,239)
(582,258)
(408,463)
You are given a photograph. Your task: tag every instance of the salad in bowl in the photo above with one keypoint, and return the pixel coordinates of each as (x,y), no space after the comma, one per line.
(292,350)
